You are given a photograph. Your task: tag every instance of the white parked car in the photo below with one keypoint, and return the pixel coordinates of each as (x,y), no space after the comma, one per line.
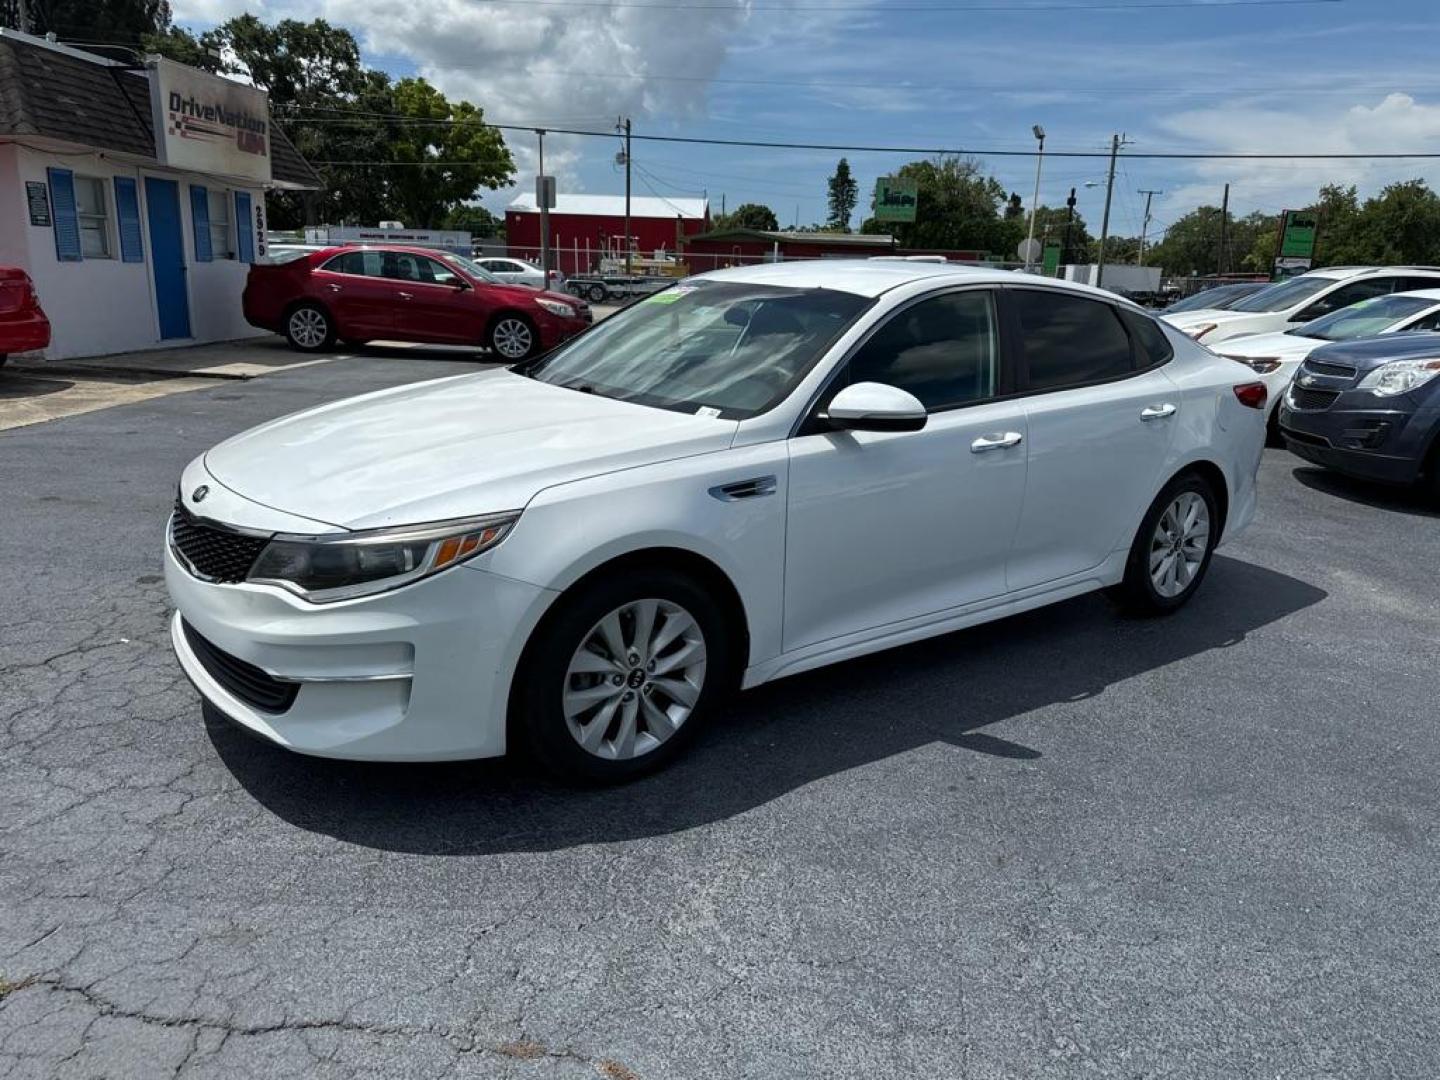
(1297,300)
(1275,357)
(518,272)
(756,472)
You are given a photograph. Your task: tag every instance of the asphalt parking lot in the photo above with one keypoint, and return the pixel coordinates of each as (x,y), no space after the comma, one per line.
(1067,844)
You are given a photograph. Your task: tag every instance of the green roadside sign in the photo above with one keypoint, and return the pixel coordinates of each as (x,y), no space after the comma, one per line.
(1051,265)
(896,199)
(1297,234)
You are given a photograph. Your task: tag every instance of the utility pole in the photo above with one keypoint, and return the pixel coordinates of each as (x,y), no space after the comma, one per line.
(623,127)
(23,17)
(1116,142)
(1224,230)
(1145,222)
(544,213)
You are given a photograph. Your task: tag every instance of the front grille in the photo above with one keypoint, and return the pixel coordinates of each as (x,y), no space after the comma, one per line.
(1321,367)
(213,553)
(246,681)
(1311,400)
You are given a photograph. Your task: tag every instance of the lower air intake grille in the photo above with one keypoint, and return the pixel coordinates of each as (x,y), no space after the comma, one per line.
(1312,400)
(212,553)
(246,681)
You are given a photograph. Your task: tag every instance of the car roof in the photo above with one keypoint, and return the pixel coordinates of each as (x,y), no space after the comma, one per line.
(872,277)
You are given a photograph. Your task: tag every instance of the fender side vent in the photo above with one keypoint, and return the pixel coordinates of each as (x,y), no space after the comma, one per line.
(744,489)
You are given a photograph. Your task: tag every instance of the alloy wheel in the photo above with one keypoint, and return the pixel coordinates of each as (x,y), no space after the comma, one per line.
(308,328)
(635,679)
(1179,544)
(512,339)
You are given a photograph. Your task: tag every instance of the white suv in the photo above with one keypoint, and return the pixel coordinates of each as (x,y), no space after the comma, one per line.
(1288,304)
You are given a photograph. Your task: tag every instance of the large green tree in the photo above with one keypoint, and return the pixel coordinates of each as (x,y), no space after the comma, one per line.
(959,208)
(748,216)
(92,24)
(843,194)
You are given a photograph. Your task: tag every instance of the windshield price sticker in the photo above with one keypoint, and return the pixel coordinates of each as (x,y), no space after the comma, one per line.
(707,410)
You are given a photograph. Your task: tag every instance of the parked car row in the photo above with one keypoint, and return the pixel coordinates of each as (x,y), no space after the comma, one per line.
(1349,356)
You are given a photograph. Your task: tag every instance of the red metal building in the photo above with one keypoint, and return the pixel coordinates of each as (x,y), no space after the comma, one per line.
(738,247)
(585,227)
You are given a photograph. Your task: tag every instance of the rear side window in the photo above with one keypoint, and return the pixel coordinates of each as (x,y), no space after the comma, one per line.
(1152,347)
(365,263)
(1070,340)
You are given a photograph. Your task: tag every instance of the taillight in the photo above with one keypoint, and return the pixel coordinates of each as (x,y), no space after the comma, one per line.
(1251,394)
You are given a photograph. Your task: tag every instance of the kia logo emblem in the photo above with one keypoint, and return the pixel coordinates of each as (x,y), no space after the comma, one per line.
(198,495)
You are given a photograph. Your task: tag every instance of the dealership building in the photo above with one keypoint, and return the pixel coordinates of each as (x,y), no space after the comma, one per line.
(584,228)
(133,195)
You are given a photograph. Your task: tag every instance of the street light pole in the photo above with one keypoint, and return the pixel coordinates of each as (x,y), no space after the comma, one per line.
(624,127)
(544,213)
(1039,133)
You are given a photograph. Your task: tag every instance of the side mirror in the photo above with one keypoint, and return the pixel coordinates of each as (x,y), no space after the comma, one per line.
(461,284)
(871,406)
(1314,311)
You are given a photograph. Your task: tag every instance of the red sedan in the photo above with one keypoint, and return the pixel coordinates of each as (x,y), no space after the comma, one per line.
(359,294)
(23,326)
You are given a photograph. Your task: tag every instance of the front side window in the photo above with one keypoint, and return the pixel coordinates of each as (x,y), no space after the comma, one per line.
(1283,295)
(92,211)
(1070,340)
(471,267)
(720,348)
(221,245)
(943,350)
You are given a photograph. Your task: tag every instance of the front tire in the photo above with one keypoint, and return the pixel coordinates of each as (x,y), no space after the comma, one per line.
(1172,549)
(512,337)
(621,676)
(597,294)
(309,328)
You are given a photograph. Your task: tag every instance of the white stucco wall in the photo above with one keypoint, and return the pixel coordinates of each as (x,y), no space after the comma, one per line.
(102,306)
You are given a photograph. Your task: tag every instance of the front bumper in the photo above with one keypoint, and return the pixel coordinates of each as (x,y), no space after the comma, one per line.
(1359,438)
(419,674)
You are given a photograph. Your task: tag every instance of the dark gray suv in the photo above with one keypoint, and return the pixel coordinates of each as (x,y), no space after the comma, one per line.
(1369,408)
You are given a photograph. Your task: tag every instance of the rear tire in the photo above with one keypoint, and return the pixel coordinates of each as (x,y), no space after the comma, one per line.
(621,676)
(596,294)
(1172,548)
(309,328)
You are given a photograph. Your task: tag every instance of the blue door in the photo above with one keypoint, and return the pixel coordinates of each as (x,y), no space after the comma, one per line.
(167,251)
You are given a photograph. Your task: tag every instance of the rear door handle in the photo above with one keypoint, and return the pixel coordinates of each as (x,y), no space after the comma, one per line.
(406,296)
(333,287)
(1157,412)
(998,440)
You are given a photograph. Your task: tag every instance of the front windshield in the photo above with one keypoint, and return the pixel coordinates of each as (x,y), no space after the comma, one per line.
(718,348)
(1284,294)
(471,268)
(1364,319)
(1217,297)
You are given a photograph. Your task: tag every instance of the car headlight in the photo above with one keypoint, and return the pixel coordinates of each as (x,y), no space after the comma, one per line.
(342,566)
(555,307)
(1264,365)
(1399,377)
(1199,330)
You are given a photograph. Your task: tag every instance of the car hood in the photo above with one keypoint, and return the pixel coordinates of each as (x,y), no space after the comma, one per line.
(1281,346)
(1366,354)
(1228,324)
(451,448)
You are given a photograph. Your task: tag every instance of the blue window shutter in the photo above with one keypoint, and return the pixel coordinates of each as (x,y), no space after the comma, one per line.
(200,219)
(244,227)
(127,211)
(62,210)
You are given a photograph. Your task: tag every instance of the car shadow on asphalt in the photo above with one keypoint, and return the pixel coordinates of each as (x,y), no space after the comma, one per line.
(1402,500)
(776,738)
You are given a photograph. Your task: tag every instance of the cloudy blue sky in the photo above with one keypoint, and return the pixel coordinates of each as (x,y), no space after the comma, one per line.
(1186,75)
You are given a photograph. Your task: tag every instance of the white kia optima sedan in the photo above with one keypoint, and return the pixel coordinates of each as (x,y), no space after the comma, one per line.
(754,473)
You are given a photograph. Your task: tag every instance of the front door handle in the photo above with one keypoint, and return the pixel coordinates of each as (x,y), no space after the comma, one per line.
(998,440)
(333,287)
(406,296)
(1157,412)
